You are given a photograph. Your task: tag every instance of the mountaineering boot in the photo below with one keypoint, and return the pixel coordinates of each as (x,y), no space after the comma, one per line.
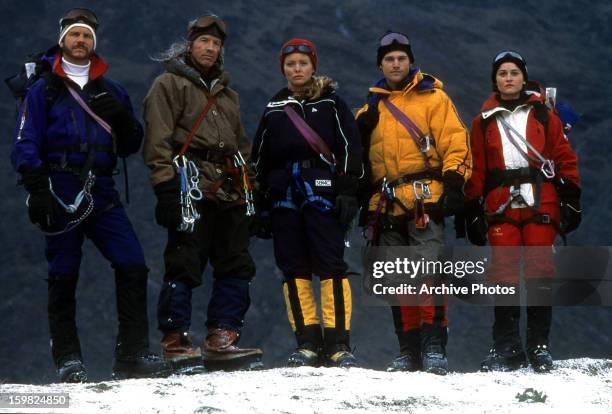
(132,356)
(540,359)
(539,319)
(409,359)
(434,360)
(406,361)
(433,345)
(65,345)
(306,355)
(178,350)
(221,353)
(71,369)
(505,359)
(340,356)
(139,364)
(507,352)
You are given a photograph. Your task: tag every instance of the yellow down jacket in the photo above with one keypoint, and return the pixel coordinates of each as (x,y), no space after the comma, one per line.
(392,151)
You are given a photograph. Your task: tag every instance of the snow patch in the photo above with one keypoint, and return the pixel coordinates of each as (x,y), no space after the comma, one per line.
(578,385)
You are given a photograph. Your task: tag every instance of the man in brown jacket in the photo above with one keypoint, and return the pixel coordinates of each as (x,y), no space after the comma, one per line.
(190,111)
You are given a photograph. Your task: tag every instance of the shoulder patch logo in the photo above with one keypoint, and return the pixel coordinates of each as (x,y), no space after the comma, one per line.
(323,183)
(314,109)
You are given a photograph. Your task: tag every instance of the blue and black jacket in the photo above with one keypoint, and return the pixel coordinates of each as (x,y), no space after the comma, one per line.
(278,145)
(61,138)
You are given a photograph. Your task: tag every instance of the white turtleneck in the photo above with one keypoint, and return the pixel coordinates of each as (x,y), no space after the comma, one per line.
(77,73)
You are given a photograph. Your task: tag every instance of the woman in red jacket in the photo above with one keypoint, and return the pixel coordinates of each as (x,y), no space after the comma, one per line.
(525,186)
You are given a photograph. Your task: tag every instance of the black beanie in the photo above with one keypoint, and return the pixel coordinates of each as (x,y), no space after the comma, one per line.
(508,56)
(393,46)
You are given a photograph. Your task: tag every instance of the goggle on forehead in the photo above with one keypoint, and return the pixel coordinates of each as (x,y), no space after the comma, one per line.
(505,53)
(287,50)
(79,15)
(391,37)
(205,21)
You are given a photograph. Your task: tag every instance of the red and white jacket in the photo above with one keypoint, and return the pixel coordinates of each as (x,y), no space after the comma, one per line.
(492,150)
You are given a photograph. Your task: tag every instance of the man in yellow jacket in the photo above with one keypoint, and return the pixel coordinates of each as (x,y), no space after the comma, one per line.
(418,159)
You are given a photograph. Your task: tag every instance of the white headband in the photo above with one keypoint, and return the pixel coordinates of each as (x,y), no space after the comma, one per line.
(78,24)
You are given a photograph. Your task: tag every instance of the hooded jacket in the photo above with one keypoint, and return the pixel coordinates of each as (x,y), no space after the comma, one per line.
(492,150)
(392,152)
(171,108)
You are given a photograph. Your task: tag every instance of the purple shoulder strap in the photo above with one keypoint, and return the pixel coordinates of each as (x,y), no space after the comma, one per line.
(87,109)
(310,135)
(413,130)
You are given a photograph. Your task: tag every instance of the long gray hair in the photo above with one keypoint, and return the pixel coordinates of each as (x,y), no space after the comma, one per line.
(176,49)
(179,49)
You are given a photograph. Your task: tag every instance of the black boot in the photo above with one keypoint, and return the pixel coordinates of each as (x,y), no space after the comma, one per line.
(539,319)
(339,356)
(132,356)
(310,342)
(504,359)
(507,352)
(336,349)
(540,359)
(65,345)
(305,355)
(409,359)
(71,369)
(433,346)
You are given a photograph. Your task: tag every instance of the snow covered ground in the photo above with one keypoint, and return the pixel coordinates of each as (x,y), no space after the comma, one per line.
(575,386)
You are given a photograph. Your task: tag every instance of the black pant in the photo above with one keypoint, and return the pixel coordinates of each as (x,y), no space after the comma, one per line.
(221,236)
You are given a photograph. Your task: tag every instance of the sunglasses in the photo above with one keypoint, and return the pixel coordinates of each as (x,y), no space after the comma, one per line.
(205,21)
(391,37)
(505,53)
(296,49)
(79,15)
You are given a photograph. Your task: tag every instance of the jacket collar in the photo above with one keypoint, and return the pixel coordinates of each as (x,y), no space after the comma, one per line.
(418,81)
(285,96)
(97,68)
(492,105)
(179,67)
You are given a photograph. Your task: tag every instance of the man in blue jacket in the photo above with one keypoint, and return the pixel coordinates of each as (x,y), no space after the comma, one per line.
(72,125)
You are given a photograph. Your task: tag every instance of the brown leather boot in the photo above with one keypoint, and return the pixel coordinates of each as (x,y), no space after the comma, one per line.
(178,346)
(220,345)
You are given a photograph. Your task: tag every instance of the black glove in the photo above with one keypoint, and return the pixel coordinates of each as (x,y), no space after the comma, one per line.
(571,213)
(107,107)
(43,209)
(168,209)
(476,223)
(368,120)
(347,205)
(452,199)
(261,226)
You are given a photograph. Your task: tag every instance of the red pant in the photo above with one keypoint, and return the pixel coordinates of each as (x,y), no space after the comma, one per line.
(533,243)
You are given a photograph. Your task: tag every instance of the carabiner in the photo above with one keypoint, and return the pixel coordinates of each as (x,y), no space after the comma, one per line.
(423,187)
(424,147)
(548,169)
